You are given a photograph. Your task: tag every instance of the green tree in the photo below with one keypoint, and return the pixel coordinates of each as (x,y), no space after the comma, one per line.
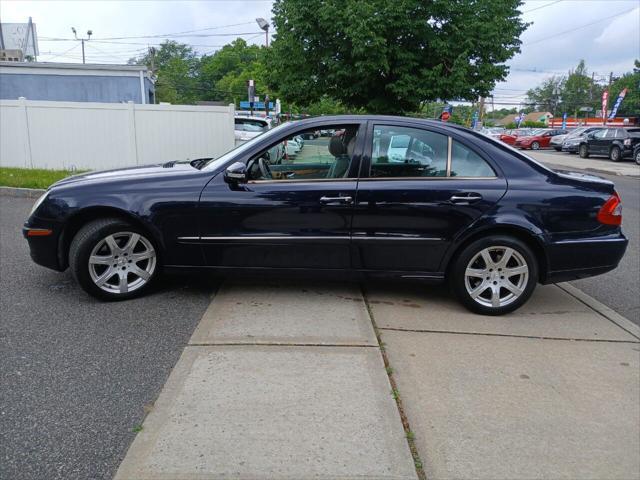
(223,75)
(547,96)
(630,106)
(391,56)
(579,90)
(176,67)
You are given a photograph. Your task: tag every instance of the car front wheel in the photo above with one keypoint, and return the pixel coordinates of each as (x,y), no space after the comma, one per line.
(113,260)
(637,156)
(535,146)
(494,275)
(584,151)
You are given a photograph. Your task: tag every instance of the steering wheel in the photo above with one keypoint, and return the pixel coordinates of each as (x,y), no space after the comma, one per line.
(265,170)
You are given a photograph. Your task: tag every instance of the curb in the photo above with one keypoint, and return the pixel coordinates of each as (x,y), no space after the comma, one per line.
(625,324)
(21,192)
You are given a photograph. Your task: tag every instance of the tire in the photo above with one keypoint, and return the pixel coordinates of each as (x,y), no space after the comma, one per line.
(636,156)
(557,149)
(130,248)
(535,146)
(583,151)
(486,277)
(615,155)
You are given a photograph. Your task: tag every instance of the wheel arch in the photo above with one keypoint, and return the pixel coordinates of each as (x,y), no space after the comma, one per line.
(525,235)
(80,218)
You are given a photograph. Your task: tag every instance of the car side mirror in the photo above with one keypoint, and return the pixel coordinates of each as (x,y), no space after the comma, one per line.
(236,173)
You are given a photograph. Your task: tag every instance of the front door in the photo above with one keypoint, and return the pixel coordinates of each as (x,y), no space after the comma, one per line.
(295,210)
(419,188)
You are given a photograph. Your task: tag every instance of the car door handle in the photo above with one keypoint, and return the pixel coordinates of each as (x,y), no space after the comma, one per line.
(466,198)
(336,200)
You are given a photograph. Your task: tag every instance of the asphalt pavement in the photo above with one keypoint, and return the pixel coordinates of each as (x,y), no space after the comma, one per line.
(617,289)
(76,372)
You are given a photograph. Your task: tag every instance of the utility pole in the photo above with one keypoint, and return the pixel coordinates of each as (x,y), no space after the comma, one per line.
(89,33)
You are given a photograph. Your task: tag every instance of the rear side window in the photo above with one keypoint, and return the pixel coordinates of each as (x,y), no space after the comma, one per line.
(467,163)
(408,152)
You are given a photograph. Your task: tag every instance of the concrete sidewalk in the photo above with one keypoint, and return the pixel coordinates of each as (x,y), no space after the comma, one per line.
(550,391)
(287,381)
(278,382)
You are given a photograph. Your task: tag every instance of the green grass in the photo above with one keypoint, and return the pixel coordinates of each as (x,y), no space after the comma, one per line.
(32,177)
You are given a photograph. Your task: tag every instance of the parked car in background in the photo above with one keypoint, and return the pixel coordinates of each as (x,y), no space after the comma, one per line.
(493,132)
(615,143)
(509,136)
(538,139)
(572,141)
(488,219)
(247,128)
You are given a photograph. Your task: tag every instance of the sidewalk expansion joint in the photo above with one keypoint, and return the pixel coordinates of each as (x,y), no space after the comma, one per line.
(417,462)
(276,344)
(534,337)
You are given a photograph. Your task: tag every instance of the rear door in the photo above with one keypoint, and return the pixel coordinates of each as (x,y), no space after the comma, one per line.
(409,210)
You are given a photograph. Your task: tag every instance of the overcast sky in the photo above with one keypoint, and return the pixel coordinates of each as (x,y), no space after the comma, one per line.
(606,33)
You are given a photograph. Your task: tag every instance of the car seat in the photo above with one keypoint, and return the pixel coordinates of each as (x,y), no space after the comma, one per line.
(341,147)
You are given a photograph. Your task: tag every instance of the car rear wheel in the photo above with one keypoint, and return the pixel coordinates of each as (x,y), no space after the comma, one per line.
(494,275)
(637,156)
(113,260)
(614,154)
(584,151)
(535,146)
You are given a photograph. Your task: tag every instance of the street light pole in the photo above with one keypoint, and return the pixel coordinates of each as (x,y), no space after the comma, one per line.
(264,25)
(89,33)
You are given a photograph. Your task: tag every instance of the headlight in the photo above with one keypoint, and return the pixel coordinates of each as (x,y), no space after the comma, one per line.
(39,202)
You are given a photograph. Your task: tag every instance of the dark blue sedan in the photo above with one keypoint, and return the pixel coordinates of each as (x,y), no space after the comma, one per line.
(382,196)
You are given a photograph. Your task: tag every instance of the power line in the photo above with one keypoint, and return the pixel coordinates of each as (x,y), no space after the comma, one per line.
(542,6)
(65,52)
(578,28)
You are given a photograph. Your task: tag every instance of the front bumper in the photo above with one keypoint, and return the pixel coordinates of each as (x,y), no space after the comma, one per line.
(44,249)
(581,258)
(570,148)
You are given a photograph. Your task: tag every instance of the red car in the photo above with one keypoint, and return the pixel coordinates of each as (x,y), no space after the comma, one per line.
(538,139)
(509,137)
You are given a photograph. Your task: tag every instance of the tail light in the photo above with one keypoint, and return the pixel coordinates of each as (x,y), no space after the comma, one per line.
(611,211)
(626,142)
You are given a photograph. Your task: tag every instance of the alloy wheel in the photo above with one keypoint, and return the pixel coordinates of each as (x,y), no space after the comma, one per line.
(122,262)
(496,276)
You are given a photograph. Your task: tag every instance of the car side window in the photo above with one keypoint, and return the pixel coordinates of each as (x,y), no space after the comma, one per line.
(600,134)
(308,155)
(408,152)
(467,163)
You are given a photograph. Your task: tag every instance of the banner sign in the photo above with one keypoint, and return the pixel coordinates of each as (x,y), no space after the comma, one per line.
(474,119)
(564,120)
(605,102)
(616,105)
(256,105)
(446,113)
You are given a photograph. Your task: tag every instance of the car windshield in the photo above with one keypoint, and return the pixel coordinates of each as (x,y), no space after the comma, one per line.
(538,131)
(215,162)
(577,132)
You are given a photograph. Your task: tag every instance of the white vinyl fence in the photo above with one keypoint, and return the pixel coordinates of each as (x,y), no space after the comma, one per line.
(96,136)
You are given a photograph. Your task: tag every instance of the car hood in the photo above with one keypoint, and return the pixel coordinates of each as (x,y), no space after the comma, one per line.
(168,168)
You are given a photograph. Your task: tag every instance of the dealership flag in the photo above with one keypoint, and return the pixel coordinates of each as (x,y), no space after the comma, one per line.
(605,102)
(616,105)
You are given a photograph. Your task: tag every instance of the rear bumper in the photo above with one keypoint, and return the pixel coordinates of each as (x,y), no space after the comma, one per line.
(574,259)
